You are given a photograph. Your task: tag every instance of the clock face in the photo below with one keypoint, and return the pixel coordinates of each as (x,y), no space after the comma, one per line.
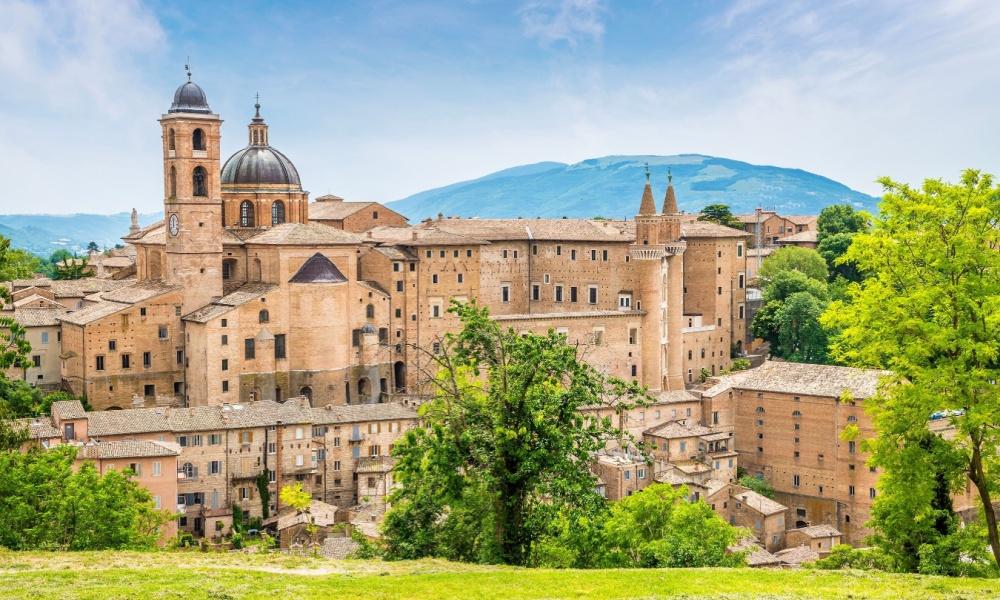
(174,224)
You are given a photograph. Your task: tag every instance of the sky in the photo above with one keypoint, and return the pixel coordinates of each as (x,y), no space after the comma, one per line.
(381,99)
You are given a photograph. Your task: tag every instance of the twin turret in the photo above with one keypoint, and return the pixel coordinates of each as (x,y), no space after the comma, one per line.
(653,229)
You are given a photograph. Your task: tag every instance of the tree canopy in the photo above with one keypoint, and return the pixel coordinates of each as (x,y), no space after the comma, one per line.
(46,504)
(929,311)
(793,258)
(721,214)
(505,450)
(840,218)
(795,296)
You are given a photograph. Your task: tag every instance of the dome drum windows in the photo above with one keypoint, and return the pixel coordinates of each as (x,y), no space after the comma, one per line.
(171,142)
(246,214)
(277,212)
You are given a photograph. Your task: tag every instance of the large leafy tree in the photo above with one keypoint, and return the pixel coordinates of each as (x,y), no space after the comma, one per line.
(793,258)
(841,218)
(46,503)
(658,527)
(721,214)
(789,319)
(16,263)
(929,311)
(505,448)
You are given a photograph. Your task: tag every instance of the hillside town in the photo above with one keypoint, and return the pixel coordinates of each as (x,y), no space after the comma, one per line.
(255,337)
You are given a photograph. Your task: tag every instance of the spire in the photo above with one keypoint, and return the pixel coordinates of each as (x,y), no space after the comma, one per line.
(258,128)
(648,205)
(134,227)
(670,200)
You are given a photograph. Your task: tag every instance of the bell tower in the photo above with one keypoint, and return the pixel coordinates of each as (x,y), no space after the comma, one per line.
(658,253)
(192,204)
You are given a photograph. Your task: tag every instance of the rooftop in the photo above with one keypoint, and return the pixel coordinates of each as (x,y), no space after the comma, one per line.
(760,503)
(677,429)
(127,449)
(818,531)
(799,378)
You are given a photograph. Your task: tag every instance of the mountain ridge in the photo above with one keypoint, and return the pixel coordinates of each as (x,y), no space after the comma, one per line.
(611,186)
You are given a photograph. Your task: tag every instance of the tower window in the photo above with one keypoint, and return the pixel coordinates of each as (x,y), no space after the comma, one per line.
(170,140)
(246,213)
(198,139)
(200,181)
(172,183)
(277,212)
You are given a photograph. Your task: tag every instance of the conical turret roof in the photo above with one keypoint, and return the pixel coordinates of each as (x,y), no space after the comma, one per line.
(670,199)
(648,205)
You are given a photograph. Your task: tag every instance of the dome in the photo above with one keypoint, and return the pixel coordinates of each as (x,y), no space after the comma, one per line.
(258,164)
(190,98)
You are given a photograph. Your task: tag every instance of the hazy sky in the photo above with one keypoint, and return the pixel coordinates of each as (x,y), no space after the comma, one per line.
(376,100)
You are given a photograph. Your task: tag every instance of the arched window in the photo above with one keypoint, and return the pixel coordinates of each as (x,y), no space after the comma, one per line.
(796,414)
(363,389)
(198,139)
(760,410)
(246,214)
(264,316)
(170,140)
(852,419)
(370,311)
(199,179)
(172,183)
(307,392)
(277,212)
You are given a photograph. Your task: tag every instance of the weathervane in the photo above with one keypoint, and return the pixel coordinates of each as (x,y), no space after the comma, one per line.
(647,172)
(670,176)
(187,67)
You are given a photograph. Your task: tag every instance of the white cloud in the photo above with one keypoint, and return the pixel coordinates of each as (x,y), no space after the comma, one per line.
(570,21)
(74,82)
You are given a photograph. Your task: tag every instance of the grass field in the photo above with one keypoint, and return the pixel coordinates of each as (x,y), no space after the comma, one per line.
(194,575)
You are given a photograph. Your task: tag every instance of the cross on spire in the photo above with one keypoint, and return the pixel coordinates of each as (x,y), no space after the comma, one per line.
(187,68)
(257,104)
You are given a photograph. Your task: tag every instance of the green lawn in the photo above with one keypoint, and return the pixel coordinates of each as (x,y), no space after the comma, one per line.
(188,576)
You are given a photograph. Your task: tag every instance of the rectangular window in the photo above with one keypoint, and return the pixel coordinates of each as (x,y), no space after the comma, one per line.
(435,311)
(460,277)
(126,361)
(162,331)
(633,336)
(147,359)
(559,293)
(36,360)
(572,294)
(593,255)
(572,254)
(505,293)
(604,255)
(336,465)
(434,278)
(395,267)
(224,322)
(592,294)
(741,278)
(279,345)
(536,291)
(45,337)
(375,450)
(225,385)
(299,460)
(739,250)
(149,390)
(742,312)
(225,364)
(795,481)
(399,285)
(99,363)
(248,349)
(157,468)
(214,467)
(558,250)
(214,439)
(272,448)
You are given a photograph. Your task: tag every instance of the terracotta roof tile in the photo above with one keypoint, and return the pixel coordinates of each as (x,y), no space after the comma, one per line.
(127,449)
(760,503)
(804,379)
(296,234)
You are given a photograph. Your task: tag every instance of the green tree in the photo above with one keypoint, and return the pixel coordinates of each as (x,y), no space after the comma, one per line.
(92,247)
(832,248)
(505,448)
(17,263)
(295,496)
(841,218)
(758,484)
(792,258)
(69,267)
(928,311)
(46,503)
(720,213)
(801,337)
(659,527)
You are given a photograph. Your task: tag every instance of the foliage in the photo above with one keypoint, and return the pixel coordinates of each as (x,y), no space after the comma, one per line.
(44,503)
(505,449)
(843,556)
(841,219)
(16,263)
(758,484)
(12,433)
(793,258)
(296,496)
(366,549)
(789,318)
(658,527)
(265,493)
(721,214)
(22,400)
(92,247)
(832,249)
(68,266)
(929,310)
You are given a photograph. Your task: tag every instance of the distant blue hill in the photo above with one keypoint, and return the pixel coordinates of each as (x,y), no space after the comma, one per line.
(44,234)
(611,186)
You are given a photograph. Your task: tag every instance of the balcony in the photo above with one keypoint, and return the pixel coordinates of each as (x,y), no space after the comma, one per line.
(356,437)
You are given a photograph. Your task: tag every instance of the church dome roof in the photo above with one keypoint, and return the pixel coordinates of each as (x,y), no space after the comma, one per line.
(257,164)
(190,98)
